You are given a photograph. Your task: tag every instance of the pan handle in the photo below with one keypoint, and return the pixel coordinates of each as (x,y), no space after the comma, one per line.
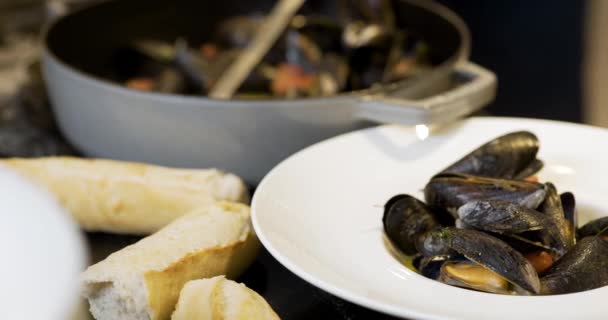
(445,107)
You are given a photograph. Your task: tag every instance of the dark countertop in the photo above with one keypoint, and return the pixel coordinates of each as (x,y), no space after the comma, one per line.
(290,296)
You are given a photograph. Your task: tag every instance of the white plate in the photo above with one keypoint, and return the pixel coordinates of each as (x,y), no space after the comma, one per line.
(42,253)
(319,213)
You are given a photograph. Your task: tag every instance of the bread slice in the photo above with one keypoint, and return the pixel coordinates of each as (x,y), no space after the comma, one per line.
(221,299)
(143,281)
(127,197)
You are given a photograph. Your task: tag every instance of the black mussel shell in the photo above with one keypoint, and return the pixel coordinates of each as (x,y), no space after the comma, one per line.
(525,242)
(584,267)
(501,216)
(450,191)
(493,254)
(534,167)
(504,157)
(557,233)
(597,227)
(405,219)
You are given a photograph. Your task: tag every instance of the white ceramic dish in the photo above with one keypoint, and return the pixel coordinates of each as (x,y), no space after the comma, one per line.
(42,253)
(319,213)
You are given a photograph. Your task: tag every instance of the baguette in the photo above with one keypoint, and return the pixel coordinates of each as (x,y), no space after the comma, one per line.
(127,197)
(221,299)
(143,281)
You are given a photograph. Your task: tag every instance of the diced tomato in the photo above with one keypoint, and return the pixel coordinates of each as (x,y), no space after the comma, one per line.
(143,84)
(209,50)
(540,260)
(289,77)
(532,179)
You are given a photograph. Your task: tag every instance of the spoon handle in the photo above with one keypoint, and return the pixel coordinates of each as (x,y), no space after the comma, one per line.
(269,32)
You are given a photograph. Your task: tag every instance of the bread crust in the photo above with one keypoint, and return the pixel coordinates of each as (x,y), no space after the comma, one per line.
(127,197)
(219,298)
(145,278)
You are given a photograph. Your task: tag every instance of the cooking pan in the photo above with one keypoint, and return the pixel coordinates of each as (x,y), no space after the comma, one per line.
(248,137)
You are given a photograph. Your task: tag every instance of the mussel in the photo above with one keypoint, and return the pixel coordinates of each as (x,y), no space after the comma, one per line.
(558,233)
(508,229)
(468,274)
(501,216)
(504,157)
(450,191)
(485,253)
(584,267)
(405,219)
(597,227)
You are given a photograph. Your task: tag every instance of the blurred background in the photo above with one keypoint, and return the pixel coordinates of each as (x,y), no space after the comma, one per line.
(536,49)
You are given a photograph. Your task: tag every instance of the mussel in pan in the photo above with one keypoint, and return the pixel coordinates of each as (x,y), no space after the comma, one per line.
(597,227)
(316,55)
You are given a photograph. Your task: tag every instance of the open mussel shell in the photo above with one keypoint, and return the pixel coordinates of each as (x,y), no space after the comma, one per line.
(597,227)
(470,275)
(462,272)
(486,251)
(405,219)
(504,157)
(584,267)
(450,191)
(558,233)
(430,267)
